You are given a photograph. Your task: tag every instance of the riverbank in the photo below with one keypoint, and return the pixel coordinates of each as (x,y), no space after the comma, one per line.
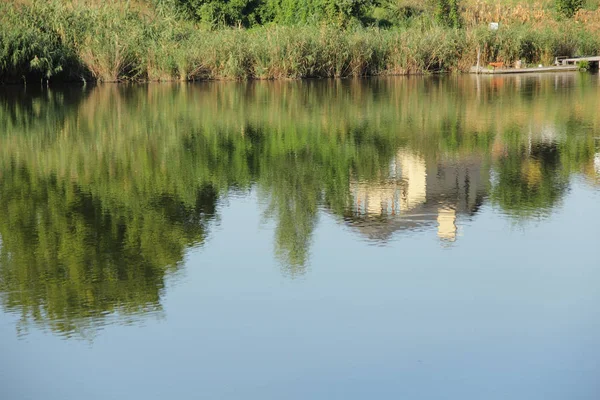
(116,42)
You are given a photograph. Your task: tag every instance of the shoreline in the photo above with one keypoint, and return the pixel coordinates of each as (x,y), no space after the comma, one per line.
(524,71)
(472,72)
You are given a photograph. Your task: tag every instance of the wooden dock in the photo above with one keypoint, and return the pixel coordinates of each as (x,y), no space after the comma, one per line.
(494,71)
(561,64)
(575,60)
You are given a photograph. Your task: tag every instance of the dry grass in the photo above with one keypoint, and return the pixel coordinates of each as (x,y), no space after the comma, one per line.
(539,14)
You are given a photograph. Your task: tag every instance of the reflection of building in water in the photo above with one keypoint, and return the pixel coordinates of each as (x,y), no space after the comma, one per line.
(404,189)
(592,170)
(447,223)
(418,194)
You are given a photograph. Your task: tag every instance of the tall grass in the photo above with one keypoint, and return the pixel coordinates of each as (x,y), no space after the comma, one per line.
(111,46)
(116,42)
(31,44)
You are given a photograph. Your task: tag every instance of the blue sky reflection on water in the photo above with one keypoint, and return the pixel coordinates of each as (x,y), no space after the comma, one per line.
(506,311)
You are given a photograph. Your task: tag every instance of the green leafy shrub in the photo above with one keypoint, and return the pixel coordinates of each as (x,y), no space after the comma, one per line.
(447,13)
(248,13)
(568,8)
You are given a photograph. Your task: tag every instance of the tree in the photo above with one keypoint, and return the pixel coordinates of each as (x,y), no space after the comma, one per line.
(223,12)
(568,8)
(255,12)
(447,13)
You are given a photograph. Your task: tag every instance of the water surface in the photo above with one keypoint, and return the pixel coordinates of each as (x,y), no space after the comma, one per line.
(419,238)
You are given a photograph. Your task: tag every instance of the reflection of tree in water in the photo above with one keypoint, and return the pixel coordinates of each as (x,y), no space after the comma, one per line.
(529,180)
(110,191)
(68,262)
(293,194)
(298,174)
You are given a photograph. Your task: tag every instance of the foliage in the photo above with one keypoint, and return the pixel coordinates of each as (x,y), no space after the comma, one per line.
(109,42)
(399,12)
(532,46)
(117,42)
(247,13)
(584,65)
(568,8)
(447,13)
(30,45)
(223,13)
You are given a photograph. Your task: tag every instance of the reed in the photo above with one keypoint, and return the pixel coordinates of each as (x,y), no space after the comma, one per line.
(117,42)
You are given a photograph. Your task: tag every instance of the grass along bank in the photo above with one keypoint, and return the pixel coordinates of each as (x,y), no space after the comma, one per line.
(118,42)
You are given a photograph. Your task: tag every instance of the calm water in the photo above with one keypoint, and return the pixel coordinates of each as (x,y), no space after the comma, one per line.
(422,238)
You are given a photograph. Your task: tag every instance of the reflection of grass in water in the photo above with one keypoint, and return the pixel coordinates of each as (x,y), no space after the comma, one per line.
(104,190)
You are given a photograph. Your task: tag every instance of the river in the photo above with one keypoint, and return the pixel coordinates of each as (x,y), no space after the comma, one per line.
(408,238)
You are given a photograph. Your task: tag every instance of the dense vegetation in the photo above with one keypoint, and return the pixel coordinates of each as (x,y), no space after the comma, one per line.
(271,39)
(568,8)
(103,189)
(249,13)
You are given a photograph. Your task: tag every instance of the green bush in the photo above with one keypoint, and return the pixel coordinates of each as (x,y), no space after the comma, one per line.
(447,13)
(398,12)
(248,13)
(568,8)
(223,13)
